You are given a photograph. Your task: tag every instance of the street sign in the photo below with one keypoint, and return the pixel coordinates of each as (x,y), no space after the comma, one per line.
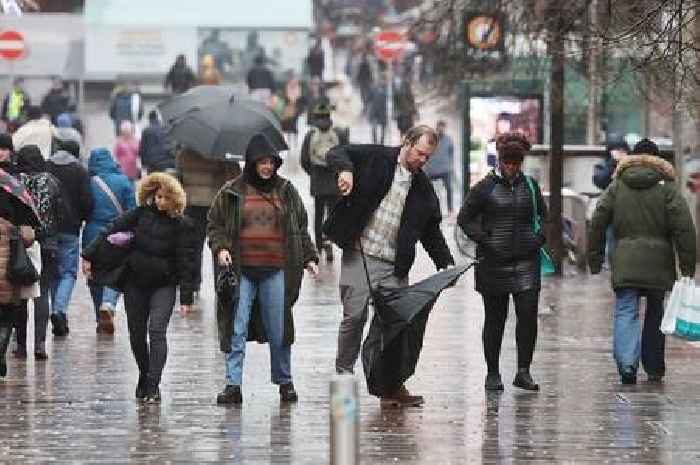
(11,45)
(389,46)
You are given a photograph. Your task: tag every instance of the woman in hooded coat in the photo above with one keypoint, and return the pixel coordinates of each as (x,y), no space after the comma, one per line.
(161,253)
(45,189)
(106,208)
(258,228)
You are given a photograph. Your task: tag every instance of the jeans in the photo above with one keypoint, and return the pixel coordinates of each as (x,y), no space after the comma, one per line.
(103,295)
(270,293)
(626,332)
(62,285)
(447,182)
(148,312)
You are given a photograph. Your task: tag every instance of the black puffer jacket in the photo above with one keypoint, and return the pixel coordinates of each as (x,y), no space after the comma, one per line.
(162,250)
(498,216)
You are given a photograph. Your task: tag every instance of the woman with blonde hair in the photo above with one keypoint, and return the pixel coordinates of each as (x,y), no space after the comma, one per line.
(160,258)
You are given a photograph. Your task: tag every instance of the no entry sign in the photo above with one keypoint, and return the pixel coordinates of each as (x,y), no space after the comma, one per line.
(11,45)
(389,45)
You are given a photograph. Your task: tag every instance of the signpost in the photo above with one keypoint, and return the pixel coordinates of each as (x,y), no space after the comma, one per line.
(389,46)
(11,45)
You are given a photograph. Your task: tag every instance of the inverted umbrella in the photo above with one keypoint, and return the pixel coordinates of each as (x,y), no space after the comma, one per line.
(196,97)
(223,130)
(392,347)
(23,199)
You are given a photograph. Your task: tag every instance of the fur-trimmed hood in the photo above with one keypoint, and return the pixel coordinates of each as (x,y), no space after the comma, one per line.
(148,186)
(664,168)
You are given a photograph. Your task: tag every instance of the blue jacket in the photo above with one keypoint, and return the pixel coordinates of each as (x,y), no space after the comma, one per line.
(104,212)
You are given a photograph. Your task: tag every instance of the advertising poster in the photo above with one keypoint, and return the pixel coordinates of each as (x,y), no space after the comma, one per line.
(494,115)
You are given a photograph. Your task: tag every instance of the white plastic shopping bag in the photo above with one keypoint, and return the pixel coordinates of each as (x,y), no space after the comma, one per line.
(688,317)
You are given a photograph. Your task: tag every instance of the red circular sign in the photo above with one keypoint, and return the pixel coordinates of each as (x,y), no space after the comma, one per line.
(11,45)
(389,45)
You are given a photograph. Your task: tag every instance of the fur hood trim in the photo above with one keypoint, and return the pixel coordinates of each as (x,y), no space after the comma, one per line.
(649,161)
(148,186)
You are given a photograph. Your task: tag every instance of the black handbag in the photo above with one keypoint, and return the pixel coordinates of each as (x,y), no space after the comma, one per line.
(20,270)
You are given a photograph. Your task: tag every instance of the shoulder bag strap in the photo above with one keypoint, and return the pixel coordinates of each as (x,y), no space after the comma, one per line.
(108,192)
(364,263)
(536,222)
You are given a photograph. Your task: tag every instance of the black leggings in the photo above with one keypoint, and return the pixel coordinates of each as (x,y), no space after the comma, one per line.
(20,323)
(496,308)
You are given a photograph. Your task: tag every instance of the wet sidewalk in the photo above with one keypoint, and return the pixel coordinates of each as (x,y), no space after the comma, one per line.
(78,407)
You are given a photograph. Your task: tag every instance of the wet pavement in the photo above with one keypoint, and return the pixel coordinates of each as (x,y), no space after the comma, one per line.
(79,406)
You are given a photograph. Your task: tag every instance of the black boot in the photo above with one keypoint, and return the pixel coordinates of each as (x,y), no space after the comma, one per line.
(5,332)
(230,395)
(141,388)
(288,393)
(493,382)
(523,380)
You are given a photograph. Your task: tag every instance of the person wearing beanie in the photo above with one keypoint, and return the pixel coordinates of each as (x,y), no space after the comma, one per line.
(160,259)
(75,191)
(36,131)
(498,215)
(257,226)
(65,131)
(323,186)
(653,229)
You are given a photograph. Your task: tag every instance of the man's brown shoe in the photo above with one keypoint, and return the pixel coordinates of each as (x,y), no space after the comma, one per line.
(402,398)
(105,323)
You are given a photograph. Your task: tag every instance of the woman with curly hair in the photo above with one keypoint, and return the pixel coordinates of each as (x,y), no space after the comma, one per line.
(161,254)
(498,216)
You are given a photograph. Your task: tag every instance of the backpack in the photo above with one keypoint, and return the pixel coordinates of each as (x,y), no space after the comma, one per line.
(46,192)
(319,145)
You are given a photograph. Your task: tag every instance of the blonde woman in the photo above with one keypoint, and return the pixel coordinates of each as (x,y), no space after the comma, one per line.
(160,259)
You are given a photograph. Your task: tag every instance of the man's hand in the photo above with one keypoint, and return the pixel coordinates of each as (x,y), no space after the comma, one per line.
(225,258)
(312,268)
(185,310)
(345,182)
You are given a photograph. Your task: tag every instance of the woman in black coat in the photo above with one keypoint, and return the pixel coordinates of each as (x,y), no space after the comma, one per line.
(498,216)
(160,258)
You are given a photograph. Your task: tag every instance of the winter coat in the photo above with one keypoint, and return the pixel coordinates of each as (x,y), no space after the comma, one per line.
(153,149)
(104,212)
(54,103)
(75,187)
(203,177)
(224,223)
(180,78)
(161,252)
(126,152)
(259,77)
(37,132)
(443,158)
(498,216)
(323,179)
(373,167)
(651,222)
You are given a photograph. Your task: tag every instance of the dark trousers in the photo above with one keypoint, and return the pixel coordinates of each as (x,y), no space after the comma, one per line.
(447,182)
(199,217)
(496,312)
(382,129)
(148,312)
(653,340)
(7,318)
(322,208)
(20,323)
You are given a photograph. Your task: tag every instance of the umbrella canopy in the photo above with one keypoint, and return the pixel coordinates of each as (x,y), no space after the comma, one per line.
(22,196)
(196,97)
(392,347)
(223,130)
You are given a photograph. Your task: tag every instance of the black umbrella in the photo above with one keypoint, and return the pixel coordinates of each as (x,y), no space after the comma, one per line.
(392,347)
(196,97)
(223,130)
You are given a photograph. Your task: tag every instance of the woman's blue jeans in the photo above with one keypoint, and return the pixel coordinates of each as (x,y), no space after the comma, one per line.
(270,294)
(627,347)
(102,295)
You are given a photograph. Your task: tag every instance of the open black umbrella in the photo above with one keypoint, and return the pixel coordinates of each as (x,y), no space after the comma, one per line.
(223,130)
(196,97)
(392,347)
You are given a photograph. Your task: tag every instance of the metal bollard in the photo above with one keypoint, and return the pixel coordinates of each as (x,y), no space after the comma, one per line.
(345,420)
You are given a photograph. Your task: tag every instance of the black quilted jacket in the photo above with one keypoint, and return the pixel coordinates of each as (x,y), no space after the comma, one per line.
(498,216)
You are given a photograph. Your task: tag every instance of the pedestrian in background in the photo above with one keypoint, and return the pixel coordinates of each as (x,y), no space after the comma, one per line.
(126,105)
(45,189)
(364,81)
(390,206)
(14,105)
(404,105)
(323,186)
(316,61)
(112,195)
(498,215)
(440,167)
(75,186)
(160,260)
(65,131)
(36,131)
(258,227)
(261,82)
(55,101)
(126,151)
(651,225)
(154,150)
(378,111)
(209,74)
(180,77)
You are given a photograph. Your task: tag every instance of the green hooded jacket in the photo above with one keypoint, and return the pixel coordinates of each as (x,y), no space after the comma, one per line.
(223,227)
(651,223)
